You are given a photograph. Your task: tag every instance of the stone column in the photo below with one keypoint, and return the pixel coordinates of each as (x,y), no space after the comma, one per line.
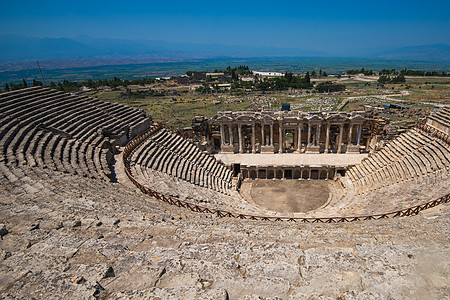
(253,139)
(222,135)
(327,142)
(263,137)
(241,149)
(350,129)
(280,146)
(341,132)
(299,142)
(271,134)
(358,138)
(309,134)
(318,134)
(230,134)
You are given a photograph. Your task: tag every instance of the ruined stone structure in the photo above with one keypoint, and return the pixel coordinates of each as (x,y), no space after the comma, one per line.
(169,153)
(162,219)
(291,132)
(282,132)
(440,120)
(65,132)
(289,172)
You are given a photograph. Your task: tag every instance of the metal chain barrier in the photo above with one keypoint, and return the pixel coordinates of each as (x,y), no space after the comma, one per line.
(131,147)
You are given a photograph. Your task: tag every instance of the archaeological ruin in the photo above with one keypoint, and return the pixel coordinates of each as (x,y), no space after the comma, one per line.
(281,132)
(97,201)
(291,132)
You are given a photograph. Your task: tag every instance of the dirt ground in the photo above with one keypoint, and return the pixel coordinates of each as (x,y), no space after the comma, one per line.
(289,196)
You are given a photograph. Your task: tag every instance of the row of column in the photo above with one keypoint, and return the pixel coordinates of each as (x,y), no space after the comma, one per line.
(281,135)
(299,139)
(241,140)
(295,173)
(341,132)
(270,143)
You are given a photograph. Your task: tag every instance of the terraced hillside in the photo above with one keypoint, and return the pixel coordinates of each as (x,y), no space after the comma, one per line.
(68,231)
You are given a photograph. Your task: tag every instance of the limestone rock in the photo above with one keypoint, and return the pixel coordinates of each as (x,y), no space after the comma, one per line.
(3,230)
(173,294)
(4,254)
(34,226)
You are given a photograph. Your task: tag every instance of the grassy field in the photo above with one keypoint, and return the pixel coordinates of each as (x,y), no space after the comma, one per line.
(178,111)
(177,105)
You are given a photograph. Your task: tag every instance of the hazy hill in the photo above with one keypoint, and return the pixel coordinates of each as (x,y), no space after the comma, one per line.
(16,48)
(19,53)
(19,48)
(436,52)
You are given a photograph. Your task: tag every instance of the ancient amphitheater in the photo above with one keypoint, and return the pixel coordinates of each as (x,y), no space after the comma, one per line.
(98,201)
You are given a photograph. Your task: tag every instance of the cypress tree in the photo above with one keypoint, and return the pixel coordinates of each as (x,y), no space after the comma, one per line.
(307,78)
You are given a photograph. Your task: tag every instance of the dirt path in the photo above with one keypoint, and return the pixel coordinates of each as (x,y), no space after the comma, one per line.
(380,96)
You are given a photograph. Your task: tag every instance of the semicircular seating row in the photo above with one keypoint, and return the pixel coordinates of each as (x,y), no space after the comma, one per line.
(42,127)
(169,153)
(414,155)
(442,117)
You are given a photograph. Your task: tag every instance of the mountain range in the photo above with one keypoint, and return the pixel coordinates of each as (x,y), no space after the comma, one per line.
(14,48)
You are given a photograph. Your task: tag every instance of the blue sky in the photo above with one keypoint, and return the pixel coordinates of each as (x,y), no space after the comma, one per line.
(312,25)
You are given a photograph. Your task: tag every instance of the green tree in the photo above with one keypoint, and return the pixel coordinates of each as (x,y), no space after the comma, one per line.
(329,87)
(307,78)
(384,79)
(288,76)
(24,83)
(398,79)
(234,75)
(6,88)
(37,83)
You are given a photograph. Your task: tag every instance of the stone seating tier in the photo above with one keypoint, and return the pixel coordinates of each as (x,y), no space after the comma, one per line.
(412,155)
(61,132)
(45,128)
(168,153)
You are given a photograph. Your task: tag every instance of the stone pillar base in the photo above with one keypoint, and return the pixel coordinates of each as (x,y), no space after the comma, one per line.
(267,149)
(227,149)
(353,149)
(312,149)
(302,150)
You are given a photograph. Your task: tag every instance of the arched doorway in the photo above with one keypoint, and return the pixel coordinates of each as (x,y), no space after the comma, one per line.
(289,141)
(247,137)
(334,138)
